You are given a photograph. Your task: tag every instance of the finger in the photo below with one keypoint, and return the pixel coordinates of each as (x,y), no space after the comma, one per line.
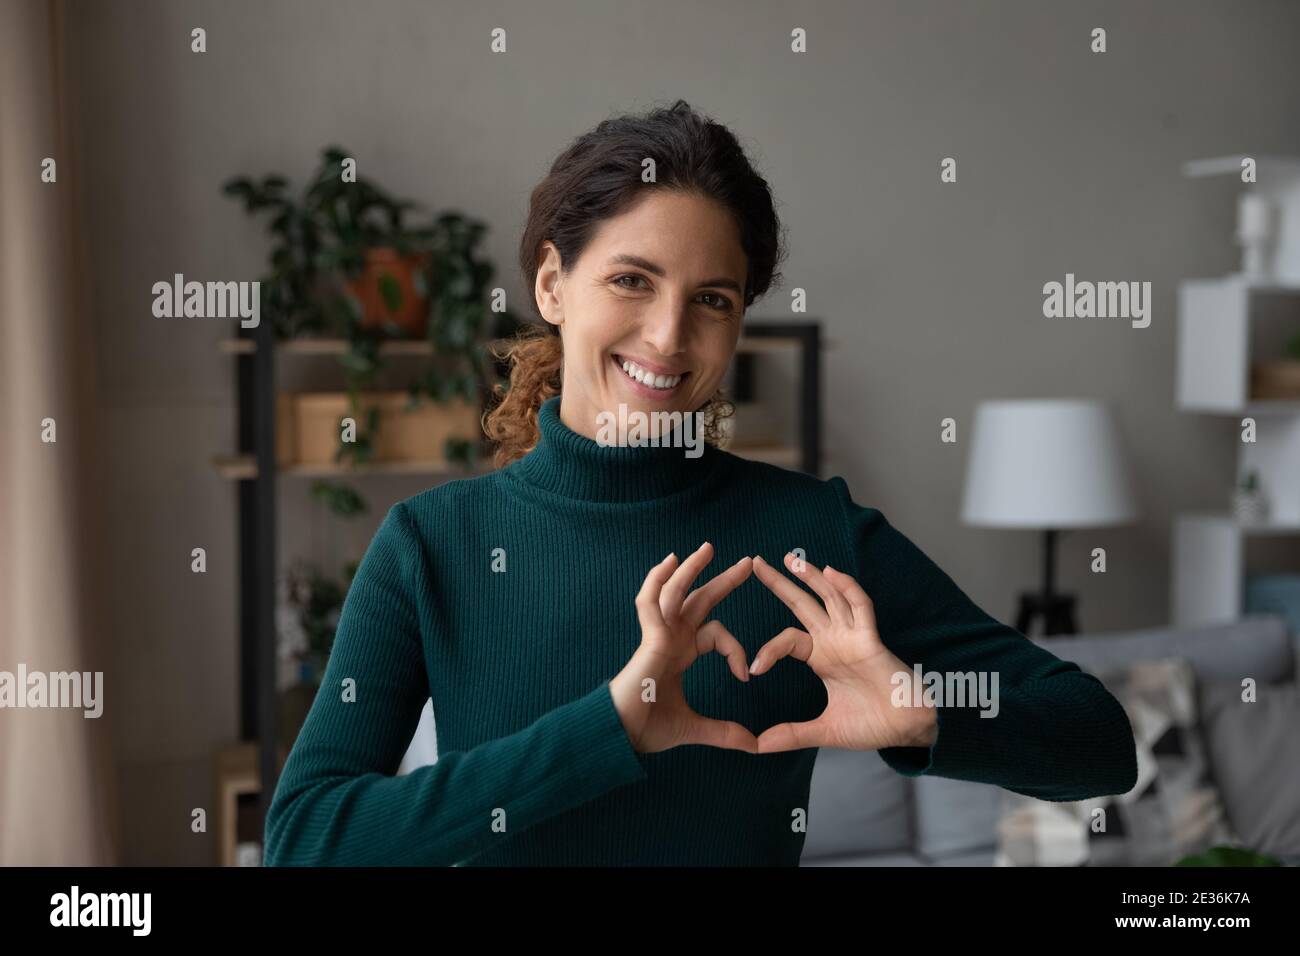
(705,598)
(790,642)
(670,599)
(647,599)
(864,611)
(837,608)
(810,733)
(714,636)
(721,733)
(805,607)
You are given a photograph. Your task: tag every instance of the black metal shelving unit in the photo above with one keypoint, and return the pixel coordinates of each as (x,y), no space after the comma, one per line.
(255,378)
(809,337)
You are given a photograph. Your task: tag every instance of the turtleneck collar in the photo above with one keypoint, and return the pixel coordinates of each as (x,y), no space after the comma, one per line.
(567,463)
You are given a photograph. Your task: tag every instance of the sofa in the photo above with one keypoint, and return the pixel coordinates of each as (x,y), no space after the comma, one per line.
(863,813)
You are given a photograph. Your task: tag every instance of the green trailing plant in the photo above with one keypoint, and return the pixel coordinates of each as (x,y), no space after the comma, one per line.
(1293,348)
(340,498)
(319,242)
(1229,856)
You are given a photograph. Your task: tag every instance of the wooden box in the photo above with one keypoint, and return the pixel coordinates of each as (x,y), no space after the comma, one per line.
(1278,379)
(309,426)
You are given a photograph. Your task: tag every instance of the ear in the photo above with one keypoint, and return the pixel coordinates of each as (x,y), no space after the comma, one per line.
(548,288)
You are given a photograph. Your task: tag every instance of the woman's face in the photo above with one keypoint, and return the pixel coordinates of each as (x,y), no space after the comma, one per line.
(658,289)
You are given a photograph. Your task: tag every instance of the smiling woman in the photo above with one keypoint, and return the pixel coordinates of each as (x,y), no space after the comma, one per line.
(635,279)
(581,718)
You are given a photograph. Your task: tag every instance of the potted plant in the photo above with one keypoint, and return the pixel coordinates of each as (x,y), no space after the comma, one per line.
(346,261)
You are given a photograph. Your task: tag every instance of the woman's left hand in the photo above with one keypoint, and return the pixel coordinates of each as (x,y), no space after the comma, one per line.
(842,646)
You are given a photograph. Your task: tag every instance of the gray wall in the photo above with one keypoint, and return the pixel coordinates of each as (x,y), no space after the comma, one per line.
(1068,162)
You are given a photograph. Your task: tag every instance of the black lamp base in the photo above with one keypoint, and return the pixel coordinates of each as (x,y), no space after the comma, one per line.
(1056,610)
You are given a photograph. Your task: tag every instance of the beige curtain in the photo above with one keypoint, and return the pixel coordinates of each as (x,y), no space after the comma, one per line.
(56,787)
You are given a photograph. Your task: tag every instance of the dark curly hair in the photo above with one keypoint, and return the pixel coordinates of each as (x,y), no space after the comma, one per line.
(598,177)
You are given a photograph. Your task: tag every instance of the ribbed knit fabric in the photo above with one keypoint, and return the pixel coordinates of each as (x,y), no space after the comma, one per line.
(534,765)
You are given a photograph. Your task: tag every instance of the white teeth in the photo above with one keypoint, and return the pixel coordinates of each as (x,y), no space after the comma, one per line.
(636,372)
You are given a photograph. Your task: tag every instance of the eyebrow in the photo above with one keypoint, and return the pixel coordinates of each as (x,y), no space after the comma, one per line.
(626,259)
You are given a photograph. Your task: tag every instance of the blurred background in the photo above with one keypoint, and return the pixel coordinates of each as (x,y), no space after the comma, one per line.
(925,299)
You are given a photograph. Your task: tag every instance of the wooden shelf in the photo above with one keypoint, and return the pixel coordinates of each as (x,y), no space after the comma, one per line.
(326,347)
(241,467)
(244,467)
(422,347)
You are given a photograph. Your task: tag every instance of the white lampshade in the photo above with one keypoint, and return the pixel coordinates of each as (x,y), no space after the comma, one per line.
(1046,463)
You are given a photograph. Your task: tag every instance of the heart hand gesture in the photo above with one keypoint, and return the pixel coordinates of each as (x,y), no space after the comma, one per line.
(673,635)
(842,646)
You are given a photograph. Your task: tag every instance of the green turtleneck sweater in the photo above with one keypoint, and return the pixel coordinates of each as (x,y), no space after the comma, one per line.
(508,599)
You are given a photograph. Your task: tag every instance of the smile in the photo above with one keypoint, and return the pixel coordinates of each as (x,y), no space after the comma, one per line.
(646,378)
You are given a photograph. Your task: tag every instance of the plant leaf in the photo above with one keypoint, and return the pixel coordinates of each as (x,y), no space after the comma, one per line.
(391,290)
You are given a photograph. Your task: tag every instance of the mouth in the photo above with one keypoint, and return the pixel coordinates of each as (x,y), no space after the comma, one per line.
(643,381)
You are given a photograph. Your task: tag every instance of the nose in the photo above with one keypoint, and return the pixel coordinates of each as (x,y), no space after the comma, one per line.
(664,327)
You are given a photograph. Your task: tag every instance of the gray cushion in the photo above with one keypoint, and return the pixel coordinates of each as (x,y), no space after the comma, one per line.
(955,816)
(1255,755)
(974,858)
(1259,645)
(959,817)
(866,859)
(857,805)
(1172,811)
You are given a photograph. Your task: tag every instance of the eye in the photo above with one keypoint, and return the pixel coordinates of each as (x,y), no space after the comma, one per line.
(723,303)
(720,302)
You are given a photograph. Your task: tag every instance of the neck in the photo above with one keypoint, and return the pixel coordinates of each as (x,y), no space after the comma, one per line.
(614,464)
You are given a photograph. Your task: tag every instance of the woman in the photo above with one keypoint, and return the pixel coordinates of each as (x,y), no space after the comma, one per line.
(544,608)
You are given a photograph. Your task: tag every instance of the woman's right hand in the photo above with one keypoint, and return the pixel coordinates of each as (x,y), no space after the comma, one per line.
(673,635)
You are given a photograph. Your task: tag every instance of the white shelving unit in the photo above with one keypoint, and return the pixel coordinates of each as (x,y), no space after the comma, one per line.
(1224,325)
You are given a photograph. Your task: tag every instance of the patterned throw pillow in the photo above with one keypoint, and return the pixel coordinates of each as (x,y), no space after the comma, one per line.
(1174,808)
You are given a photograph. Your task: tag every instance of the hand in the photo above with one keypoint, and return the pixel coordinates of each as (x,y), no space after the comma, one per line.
(843,647)
(671,639)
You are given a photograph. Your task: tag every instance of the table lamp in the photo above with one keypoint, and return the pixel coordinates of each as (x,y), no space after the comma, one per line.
(1050,465)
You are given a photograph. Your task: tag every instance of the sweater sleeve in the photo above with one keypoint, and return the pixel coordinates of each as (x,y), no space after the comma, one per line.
(338,801)
(1057,733)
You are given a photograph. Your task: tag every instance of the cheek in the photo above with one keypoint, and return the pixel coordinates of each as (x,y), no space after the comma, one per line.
(716,353)
(611,317)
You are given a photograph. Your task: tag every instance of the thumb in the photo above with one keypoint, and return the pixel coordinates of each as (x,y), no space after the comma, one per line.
(720,733)
(794,736)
